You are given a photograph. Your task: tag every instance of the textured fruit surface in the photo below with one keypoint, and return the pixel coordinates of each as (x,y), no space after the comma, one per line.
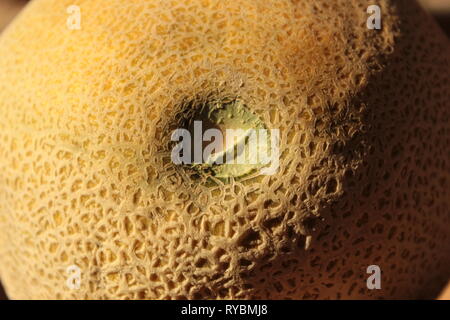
(85,171)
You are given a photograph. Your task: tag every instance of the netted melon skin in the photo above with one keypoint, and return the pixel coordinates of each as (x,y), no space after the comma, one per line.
(86,180)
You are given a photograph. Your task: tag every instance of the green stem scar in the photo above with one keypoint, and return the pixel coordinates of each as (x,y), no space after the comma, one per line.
(242,140)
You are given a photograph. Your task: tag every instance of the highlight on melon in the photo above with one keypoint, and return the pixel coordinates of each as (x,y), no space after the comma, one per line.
(98,99)
(445,294)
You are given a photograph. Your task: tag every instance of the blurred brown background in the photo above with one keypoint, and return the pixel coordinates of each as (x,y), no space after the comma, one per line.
(441,11)
(439,8)
(8,10)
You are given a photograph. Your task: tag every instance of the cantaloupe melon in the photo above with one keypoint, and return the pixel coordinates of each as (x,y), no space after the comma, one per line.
(86,178)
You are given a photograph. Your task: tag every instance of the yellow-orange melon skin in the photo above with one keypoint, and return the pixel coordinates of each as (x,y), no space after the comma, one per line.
(364,171)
